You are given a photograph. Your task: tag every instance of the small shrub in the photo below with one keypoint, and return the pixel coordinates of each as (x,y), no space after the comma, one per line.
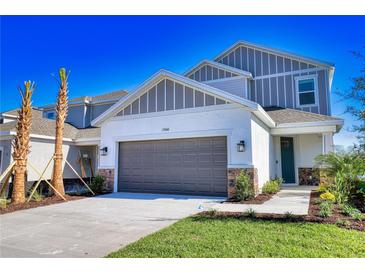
(3,203)
(326,208)
(342,223)
(289,215)
(37,196)
(244,187)
(322,188)
(272,186)
(212,212)
(352,212)
(328,196)
(250,213)
(98,184)
(358,216)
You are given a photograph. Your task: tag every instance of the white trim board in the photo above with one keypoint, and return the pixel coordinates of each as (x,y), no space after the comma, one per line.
(281,53)
(163,74)
(221,66)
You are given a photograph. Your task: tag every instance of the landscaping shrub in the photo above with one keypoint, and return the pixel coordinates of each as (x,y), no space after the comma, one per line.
(212,212)
(37,196)
(98,184)
(289,215)
(328,196)
(3,203)
(250,213)
(352,212)
(244,187)
(326,208)
(323,187)
(347,171)
(272,186)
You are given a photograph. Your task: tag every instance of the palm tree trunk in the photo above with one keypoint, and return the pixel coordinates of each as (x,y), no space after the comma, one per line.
(21,143)
(57,179)
(61,108)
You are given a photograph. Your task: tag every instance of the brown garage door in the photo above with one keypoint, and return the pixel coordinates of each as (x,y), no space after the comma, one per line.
(195,166)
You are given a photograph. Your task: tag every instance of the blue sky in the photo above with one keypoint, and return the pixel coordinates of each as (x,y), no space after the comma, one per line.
(107,53)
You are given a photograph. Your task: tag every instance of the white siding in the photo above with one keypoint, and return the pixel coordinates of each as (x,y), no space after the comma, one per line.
(262,151)
(309,146)
(224,120)
(42,150)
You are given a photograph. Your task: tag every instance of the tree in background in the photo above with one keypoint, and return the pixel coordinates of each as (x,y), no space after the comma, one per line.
(61,109)
(357,94)
(21,143)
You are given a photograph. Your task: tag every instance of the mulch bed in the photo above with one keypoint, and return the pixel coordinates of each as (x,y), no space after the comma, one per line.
(258,200)
(44,202)
(313,216)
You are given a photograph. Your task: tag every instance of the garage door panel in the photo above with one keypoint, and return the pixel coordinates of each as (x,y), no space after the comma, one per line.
(180,166)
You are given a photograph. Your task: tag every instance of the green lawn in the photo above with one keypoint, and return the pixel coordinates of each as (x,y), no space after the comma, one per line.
(229,237)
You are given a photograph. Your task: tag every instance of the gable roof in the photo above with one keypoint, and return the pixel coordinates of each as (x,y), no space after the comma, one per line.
(164,74)
(219,66)
(277,52)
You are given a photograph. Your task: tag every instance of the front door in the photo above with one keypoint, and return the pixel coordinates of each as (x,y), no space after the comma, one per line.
(287,160)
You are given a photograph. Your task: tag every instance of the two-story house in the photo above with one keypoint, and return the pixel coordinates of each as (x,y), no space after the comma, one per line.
(252,108)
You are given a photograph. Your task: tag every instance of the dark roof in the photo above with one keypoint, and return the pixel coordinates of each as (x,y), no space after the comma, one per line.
(287,115)
(47,127)
(106,96)
(13,112)
(88,132)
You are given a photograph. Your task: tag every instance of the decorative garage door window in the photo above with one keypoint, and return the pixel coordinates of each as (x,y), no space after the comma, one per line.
(170,95)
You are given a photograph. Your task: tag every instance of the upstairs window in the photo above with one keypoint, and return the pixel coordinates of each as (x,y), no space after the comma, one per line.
(306,90)
(50,115)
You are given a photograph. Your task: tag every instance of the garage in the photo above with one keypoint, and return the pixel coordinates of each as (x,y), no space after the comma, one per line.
(195,166)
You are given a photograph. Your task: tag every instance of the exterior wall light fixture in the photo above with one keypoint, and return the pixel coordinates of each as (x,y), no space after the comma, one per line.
(241,146)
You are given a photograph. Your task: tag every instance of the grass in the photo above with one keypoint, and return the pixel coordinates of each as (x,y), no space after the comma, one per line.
(197,237)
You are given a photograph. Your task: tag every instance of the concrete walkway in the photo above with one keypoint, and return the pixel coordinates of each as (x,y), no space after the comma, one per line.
(294,199)
(92,227)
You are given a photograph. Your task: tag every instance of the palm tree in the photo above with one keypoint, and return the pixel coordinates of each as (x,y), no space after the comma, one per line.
(61,109)
(21,143)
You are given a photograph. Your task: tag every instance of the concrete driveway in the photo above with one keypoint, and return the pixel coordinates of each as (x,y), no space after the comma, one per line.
(92,227)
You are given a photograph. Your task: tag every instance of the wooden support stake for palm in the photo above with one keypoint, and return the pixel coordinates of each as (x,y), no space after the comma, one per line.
(79,176)
(42,178)
(21,143)
(61,109)
(7,174)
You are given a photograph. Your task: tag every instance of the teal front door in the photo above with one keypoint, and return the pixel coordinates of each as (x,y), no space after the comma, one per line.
(287,160)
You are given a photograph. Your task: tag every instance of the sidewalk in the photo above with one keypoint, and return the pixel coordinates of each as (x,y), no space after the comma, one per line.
(289,199)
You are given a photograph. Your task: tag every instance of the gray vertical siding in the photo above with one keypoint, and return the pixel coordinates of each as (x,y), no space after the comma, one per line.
(208,73)
(275,78)
(143,103)
(75,115)
(169,95)
(179,96)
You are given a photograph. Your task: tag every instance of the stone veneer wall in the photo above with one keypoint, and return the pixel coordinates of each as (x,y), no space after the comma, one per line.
(309,176)
(108,173)
(232,175)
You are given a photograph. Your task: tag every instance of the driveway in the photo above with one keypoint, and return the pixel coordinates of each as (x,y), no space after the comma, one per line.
(93,227)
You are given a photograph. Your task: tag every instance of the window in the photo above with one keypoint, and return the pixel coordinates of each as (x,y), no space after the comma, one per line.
(306,91)
(50,115)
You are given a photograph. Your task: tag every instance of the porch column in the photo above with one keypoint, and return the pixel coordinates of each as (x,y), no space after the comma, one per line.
(327,142)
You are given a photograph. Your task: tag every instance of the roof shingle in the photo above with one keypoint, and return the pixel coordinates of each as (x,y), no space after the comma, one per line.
(287,115)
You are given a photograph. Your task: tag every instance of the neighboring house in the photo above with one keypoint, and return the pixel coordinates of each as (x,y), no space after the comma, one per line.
(79,141)
(252,108)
